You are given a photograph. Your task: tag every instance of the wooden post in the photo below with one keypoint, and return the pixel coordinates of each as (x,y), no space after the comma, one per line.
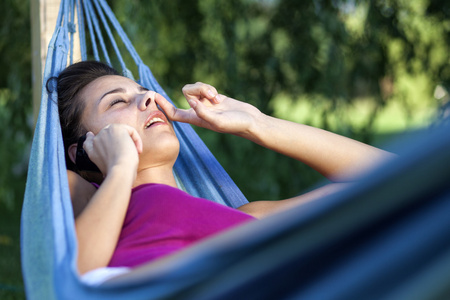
(44,14)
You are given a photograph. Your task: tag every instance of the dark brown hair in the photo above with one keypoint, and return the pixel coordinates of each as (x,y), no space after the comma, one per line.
(70,82)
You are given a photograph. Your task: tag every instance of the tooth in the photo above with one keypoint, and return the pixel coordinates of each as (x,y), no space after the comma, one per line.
(154,120)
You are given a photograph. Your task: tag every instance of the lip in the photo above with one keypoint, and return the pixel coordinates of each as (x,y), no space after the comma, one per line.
(156,114)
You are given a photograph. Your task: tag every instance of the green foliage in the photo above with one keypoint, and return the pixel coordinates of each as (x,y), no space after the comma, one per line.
(359,68)
(15,100)
(347,66)
(15,137)
(11,286)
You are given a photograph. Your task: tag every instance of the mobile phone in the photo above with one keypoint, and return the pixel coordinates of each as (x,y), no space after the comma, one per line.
(82,160)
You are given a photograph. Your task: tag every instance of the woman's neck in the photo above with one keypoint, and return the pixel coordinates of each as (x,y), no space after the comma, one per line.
(161,175)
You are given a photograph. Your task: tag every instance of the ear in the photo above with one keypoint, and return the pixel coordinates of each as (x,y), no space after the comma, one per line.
(72,151)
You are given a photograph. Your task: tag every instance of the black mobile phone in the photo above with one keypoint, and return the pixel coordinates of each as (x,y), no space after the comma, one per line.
(82,160)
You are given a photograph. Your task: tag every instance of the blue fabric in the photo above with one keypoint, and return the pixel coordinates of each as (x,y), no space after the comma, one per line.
(385,237)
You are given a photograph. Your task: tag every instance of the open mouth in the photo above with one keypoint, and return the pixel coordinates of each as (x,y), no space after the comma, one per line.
(154,120)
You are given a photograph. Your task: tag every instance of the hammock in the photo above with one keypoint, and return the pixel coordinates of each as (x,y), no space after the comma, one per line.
(385,237)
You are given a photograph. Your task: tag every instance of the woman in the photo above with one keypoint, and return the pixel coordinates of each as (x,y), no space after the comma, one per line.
(134,145)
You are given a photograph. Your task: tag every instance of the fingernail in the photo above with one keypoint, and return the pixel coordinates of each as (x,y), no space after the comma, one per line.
(192,103)
(211,94)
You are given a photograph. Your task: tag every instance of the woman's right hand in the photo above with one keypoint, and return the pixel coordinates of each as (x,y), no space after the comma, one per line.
(116,145)
(115,150)
(213,111)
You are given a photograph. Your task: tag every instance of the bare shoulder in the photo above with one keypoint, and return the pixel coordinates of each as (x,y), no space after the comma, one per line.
(81,191)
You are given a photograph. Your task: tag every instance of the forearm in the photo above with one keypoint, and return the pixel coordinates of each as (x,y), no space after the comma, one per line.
(99,225)
(336,157)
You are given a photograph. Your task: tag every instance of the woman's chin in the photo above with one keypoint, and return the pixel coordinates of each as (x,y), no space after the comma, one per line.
(163,151)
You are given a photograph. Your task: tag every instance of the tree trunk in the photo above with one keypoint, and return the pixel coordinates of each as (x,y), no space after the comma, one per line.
(44,14)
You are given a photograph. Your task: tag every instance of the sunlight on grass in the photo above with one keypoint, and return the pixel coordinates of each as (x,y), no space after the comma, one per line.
(393,117)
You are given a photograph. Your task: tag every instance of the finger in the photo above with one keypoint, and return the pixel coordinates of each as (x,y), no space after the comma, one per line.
(166,107)
(88,144)
(187,116)
(199,91)
(136,138)
(219,98)
(176,114)
(90,135)
(199,110)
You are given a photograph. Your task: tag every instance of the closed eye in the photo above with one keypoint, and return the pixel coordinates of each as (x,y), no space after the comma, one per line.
(116,101)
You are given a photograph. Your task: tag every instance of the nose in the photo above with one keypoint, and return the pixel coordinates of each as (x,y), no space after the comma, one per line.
(147,99)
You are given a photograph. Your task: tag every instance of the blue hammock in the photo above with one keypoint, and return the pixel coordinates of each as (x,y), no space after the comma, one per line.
(384,237)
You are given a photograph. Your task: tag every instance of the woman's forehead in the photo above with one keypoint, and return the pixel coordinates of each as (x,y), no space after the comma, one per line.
(112,81)
(105,83)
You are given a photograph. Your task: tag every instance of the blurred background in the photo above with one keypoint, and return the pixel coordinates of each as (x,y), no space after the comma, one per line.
(371,70)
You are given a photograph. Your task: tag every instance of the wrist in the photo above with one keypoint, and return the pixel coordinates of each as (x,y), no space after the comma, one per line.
(257,128)
(123,171)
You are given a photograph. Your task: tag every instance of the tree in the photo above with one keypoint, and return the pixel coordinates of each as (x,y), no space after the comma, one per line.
(341,65)
(16,120)
(333,57)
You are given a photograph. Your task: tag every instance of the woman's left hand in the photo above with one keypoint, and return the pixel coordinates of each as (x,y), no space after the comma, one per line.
(212,110)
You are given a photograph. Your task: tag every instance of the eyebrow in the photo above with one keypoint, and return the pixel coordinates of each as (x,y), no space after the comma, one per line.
(120,90)
(114,91)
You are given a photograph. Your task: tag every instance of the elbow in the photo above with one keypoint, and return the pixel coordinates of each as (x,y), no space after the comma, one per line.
(87,264)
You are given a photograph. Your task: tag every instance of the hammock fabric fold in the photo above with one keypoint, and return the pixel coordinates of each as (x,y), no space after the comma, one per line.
(384,237)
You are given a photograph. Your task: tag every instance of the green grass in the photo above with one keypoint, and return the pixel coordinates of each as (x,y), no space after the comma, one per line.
(393,118)
(11,283)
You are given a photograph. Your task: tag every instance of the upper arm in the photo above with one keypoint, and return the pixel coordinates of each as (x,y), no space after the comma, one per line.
(261,209)
(81,191)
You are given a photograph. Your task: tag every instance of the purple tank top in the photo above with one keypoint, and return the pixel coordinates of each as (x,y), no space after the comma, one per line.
(161,220)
